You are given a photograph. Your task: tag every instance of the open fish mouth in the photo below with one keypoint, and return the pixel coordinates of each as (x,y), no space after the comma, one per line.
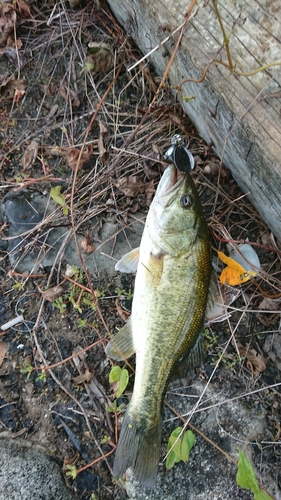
(171,181)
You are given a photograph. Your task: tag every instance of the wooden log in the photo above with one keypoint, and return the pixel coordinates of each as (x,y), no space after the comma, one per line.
(231,112)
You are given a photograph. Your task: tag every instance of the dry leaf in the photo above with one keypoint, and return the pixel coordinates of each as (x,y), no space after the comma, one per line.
(83,377)
(4,346)
(23,9)
(86,245)
(29,155)
(51,294)
(255,362)
(74,160)
(156,153)
(149,190)
(221,296)
(124,314)
(104,154)
(100,60)
(12,89)
(79,360)
(8,18)
(135,207)
(270,304)
(49,90)
(16,57)
(56,150)
(150,173)
(214,167)
(69,95)
(130,185)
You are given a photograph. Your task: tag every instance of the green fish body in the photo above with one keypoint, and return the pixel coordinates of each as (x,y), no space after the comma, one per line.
(171,289)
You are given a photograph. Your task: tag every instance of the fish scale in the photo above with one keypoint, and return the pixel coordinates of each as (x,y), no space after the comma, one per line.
(170,297)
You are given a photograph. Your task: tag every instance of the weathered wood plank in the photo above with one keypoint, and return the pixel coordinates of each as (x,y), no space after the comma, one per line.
(228,111)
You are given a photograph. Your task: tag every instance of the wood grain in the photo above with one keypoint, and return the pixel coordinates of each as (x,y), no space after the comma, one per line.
(229,111)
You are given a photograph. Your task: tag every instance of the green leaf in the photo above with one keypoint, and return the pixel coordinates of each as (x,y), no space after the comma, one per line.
(123,382)
(179,446)
(262,495)
(59,198)
(114,375)
(71,471)
(190,439)
(119,375)
(171,460)
(245,476)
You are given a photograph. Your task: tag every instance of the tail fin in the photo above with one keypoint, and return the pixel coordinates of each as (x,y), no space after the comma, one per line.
(139,448)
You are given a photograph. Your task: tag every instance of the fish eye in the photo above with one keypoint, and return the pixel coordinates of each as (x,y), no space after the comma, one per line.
(186,201)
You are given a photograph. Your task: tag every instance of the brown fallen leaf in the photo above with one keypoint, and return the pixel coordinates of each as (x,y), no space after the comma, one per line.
(86,376)
(29,155)
(255,362)
(48,90)
(214,167)
(103,152)
(130,185)
(8,18)
(149,191)
(86,245)
(23,9)
(79,360)
(12,89)
(124,314)
(51,294)
(69,95)
(270,304)
(16,57)
(56,150)
(74,160)
(4,346)
(100,60)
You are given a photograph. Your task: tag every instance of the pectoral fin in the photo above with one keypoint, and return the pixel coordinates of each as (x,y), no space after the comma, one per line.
(129,262)
(121,345)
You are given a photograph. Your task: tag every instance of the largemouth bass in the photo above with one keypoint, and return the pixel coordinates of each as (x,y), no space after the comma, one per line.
(173,267)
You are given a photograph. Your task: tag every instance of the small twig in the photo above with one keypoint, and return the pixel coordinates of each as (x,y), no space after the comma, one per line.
(243,241)
(229,457)
(66,360)
(157,46)
(225,37)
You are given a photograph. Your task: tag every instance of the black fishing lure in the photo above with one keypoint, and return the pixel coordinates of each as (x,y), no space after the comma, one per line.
(180,155)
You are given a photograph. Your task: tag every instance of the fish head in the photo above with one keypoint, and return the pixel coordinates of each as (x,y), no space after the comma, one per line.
(175,215)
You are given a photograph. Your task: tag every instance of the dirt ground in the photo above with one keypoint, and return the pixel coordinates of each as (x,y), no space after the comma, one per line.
(89,132)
